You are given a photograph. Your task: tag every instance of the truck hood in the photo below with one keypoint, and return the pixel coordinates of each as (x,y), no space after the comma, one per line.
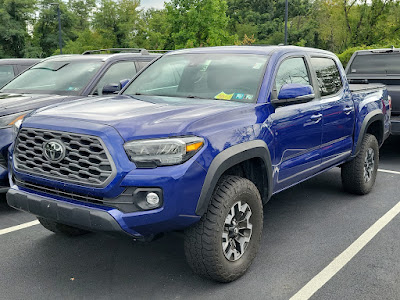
(144,116)
(15,103)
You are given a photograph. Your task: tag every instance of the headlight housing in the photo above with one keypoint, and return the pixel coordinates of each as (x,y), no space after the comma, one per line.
(163,152)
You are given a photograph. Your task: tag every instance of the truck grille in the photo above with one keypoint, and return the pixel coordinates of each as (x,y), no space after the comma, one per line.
(76,158)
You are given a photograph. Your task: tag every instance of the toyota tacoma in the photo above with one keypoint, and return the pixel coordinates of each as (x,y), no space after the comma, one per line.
(199,141)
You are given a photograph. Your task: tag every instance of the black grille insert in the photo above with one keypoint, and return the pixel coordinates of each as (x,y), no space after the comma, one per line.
(86,161)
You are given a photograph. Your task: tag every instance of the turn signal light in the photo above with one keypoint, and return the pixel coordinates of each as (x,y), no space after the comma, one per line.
(17,119)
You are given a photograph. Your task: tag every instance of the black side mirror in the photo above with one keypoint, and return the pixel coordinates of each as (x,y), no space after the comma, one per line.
(111,88)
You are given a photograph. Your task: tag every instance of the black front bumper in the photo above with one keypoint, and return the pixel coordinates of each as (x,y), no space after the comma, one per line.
(64,212)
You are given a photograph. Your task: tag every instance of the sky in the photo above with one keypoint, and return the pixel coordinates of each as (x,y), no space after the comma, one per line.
(152,3)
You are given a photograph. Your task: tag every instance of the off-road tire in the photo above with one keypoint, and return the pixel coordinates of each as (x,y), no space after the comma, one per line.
(353,171)
(59,228)
(203,240)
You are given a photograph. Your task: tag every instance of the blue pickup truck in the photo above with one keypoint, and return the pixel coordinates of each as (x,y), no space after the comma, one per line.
(199,141)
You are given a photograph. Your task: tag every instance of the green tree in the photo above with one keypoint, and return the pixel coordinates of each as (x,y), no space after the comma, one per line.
(82,11)
(45,31)
(197,23)
(153,29)
(15,15)
(87,40)
(118,21)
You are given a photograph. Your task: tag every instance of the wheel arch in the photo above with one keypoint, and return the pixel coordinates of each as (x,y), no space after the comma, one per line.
(373,123)
(247,160)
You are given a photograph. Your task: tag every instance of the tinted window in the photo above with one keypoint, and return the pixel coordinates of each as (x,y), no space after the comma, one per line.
(225,76)
(292,70)
(116,73)
(383,63)
(6,74)
(328,75)
(55,77)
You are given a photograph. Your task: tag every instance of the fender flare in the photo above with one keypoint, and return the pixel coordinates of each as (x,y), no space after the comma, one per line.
(227,159)
(375,115)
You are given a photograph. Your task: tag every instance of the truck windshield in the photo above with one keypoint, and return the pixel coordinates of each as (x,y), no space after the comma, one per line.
(234,77)
(54,77)
(376,63)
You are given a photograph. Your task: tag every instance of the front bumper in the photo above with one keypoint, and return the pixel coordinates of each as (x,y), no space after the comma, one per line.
(180,188)
(64,212)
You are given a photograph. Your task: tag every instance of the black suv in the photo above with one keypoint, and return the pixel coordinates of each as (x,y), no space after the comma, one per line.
(63,78)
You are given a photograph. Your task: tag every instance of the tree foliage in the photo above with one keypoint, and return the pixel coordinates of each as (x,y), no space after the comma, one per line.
(30,28)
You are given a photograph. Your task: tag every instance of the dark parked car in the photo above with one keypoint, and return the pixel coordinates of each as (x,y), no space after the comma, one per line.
(11,67)
(59,79)
(379,66)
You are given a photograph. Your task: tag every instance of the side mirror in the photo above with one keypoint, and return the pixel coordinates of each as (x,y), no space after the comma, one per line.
(123,83)
(292,93)
(111,88)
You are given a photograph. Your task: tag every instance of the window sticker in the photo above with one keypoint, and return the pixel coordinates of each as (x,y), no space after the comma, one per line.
(223,96)
(257,66)
(353,70)
(238,96)
(248,97)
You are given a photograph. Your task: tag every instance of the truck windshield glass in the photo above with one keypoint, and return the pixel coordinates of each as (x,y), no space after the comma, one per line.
(234,77)
(54,77)
(382,63)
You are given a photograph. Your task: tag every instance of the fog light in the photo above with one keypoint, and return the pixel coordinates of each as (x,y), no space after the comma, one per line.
(152,199)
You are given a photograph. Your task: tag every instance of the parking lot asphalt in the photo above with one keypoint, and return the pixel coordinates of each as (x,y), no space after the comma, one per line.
(305,228)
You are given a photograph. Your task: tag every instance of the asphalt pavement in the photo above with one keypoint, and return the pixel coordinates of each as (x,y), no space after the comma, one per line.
(305,229)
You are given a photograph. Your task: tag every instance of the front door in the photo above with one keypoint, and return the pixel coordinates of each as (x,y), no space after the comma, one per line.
(297,129)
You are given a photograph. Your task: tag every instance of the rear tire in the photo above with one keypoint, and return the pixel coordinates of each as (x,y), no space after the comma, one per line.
(61,228)
(359,174)
(223,244)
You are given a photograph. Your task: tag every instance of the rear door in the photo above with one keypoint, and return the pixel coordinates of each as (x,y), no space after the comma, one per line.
(297,128)
(337,110)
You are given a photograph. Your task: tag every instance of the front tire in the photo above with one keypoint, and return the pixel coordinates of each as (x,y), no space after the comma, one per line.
(59,228)
(359,174)
(223,244)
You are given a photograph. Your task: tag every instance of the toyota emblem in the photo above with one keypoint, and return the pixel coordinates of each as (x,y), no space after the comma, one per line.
(54,150)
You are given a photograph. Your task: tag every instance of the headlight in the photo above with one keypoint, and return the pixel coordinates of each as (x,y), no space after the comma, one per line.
(10,120)
(162,152)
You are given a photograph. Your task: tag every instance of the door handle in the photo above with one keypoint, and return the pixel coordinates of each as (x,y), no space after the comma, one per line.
(347,110)
(316,118)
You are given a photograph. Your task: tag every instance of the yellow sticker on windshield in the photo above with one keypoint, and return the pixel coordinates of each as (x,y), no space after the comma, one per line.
(223,96)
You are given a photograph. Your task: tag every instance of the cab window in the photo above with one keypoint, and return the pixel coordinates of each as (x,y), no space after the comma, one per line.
(328,76)
(116,73)
(292,70)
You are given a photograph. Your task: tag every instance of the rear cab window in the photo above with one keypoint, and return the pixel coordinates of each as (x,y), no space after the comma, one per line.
(328,75)
(375,63)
